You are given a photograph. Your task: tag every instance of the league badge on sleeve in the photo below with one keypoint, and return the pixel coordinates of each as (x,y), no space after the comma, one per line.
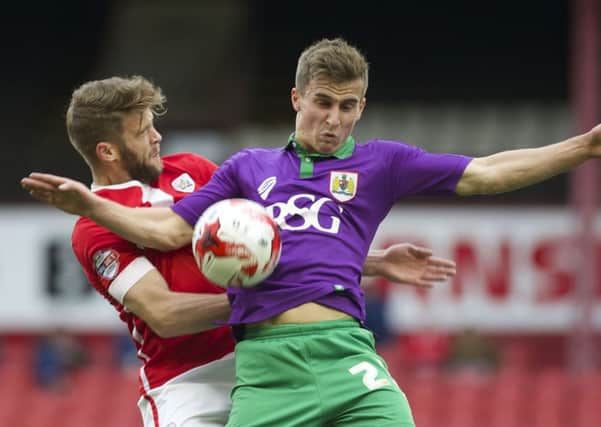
(106,263)
(343,185)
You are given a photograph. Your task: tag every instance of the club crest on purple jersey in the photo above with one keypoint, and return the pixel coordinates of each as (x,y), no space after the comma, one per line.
(343,185)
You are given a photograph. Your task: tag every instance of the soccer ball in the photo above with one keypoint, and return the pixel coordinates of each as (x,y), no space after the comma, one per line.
(236,243)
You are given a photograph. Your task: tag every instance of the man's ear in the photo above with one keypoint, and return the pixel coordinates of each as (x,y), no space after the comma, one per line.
(295,99)
(107,151)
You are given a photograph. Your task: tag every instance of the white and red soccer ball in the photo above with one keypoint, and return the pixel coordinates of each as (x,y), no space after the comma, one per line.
(236,243)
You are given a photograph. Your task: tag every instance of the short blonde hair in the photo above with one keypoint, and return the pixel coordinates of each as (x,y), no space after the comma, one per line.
(334,59)
(97,109)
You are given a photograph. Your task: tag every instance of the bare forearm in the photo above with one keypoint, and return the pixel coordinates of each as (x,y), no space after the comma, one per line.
(184,313)
(157,228)
(511,170)
(371,262)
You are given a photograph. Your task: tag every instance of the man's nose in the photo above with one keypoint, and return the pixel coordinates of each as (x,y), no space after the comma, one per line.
(333,117)
(156,136)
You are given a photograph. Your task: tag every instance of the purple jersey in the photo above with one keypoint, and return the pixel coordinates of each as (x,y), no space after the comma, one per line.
(328,209)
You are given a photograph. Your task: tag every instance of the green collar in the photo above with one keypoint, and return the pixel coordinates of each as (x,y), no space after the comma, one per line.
(307,159)
(345,150)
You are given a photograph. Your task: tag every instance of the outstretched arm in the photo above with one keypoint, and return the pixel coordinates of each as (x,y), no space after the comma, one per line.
(510,170)
(408,264)
(158,228)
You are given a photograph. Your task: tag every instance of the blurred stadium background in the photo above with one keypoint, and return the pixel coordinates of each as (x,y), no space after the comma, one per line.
(512,341)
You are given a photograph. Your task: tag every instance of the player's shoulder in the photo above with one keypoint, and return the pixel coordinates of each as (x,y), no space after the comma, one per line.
(259,150)
(88,229)
(85,232)
(260,153)
(382,143)
(183,169)
(242,158)
(128,193)
(186,161)
(88,237)
(379,145)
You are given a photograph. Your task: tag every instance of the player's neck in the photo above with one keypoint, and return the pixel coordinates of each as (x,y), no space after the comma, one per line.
(104,178)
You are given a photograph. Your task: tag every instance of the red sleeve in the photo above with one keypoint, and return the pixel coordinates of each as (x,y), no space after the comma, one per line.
(104,256)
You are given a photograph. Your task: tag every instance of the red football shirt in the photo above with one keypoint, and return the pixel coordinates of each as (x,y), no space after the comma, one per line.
(113,265)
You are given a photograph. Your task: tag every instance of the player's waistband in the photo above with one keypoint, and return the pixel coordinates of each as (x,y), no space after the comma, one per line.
(298,329)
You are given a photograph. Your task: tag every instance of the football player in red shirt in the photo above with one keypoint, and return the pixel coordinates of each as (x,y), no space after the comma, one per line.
(170,309)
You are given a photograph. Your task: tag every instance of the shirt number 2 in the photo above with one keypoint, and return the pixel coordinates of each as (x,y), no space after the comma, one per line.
(370,372)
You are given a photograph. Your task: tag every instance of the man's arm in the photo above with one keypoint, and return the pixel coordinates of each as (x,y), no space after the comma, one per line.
(158,228)
(408,264)
(510,170)
(171,314)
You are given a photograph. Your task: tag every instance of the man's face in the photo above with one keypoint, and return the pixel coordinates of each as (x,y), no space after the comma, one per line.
(141,150)
(327,113)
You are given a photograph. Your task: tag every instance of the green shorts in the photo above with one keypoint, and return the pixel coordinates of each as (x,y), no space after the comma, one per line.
(316,374)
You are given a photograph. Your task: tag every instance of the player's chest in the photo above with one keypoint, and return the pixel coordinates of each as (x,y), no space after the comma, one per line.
(319,202)
(339,185)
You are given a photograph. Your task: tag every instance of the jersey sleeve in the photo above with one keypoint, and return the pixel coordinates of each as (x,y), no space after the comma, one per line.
(419,172)
(112,265)
(222,185)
